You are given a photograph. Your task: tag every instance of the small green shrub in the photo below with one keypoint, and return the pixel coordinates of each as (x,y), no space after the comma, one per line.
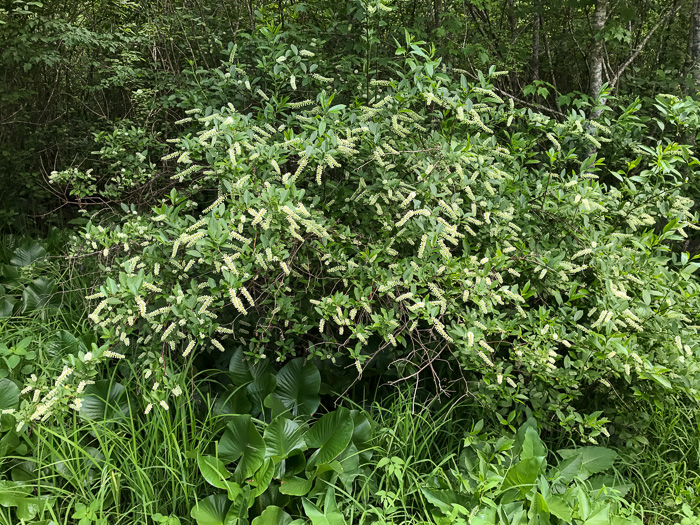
(509,480)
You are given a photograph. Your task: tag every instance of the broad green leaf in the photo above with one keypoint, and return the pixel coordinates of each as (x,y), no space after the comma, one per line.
(318,517)
(258,390)
(532,447)
(298,384)
(262,478)
(295,463)
(362,433)
(28,508)
(213,470)
(599,516)
(522,433)
(238,511)
(330,435)
(212,511)
(567,469)
(232,401)
(243,370)
(484,516)
(273,515)
(538,513)
(295,486)
(559,507)
(243,443)
(39,294)
(27,254)
(444,499)
(522,475)
(63,343)
(9,394)
(593,459)
(11,493)
(104,401)
(7,306)
(282,437)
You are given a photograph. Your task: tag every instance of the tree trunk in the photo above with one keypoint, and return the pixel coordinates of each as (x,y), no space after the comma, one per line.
(535,61)
(595,62)
(694,43)
(437,8)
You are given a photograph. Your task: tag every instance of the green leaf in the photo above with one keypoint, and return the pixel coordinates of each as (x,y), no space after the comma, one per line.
(212,511)
(600,516)
(7,306)
(444,499)
(295,486)
(362,433)
(538,513)
(318,517)
(522,475)
(104,401)
(63,343)
(484,516)
(262,478)
(213,470)
(619,520)
(282,437)
(593,459)
(567,469)
(243,371)
(28,508)
(232,401)
(273,515)
(9,394)
(27,254)
(532,445)
(258,390)
(12,493)
(559,507)
(330,435)
(243,443)
(298,384)
(39,294)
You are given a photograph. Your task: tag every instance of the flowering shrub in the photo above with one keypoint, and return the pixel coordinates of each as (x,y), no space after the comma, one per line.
(434,220)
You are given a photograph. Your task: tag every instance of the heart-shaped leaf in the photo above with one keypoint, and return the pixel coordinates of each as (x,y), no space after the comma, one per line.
(243,370)
(295,486)
(243,443)
(258,390)
(9,395)
(104,401)
(231,402)
(63,343)
(28,253)
(362,433)
(212,511)
(11,493)
(298,384)
(283,436)
(273,515)
(213,470)
(319,517)
(39,294)
(522,475)
(262,478)
(7,306)
(330,435)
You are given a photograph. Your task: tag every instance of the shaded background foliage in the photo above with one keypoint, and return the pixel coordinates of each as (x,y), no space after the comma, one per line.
(118,70)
